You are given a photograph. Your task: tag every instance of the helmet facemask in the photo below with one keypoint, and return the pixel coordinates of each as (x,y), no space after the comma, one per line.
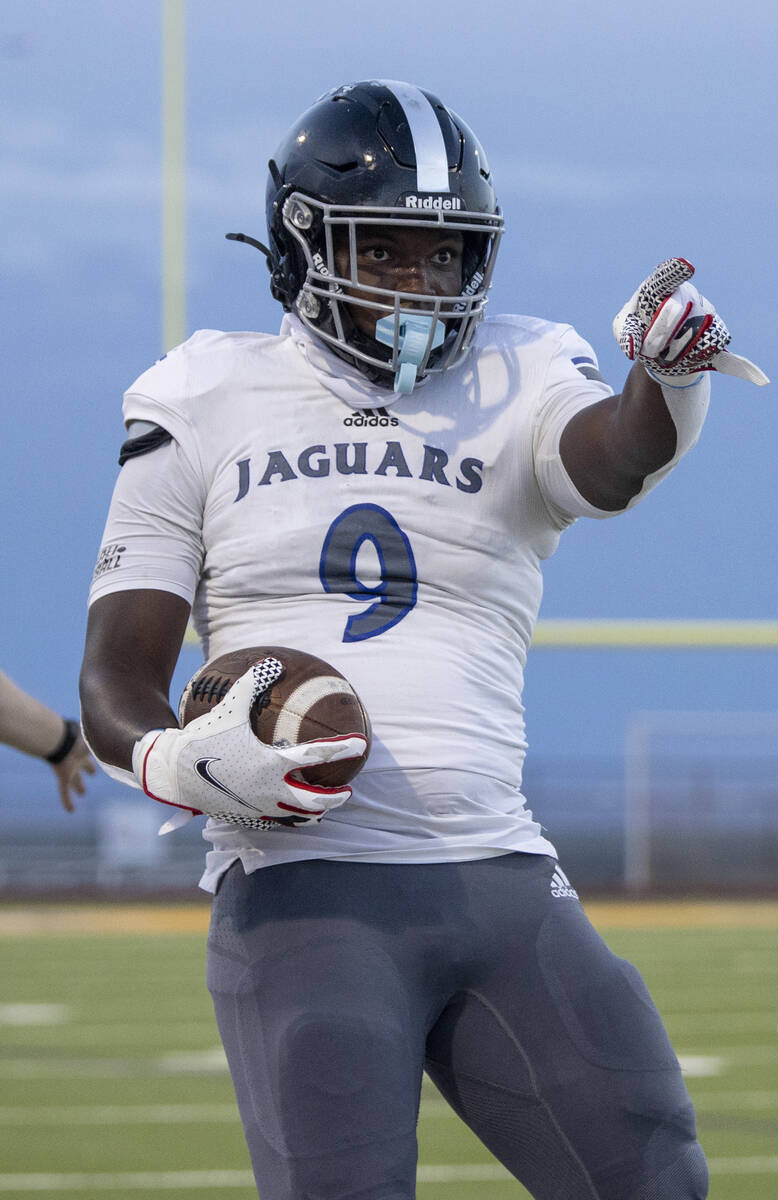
(418,334)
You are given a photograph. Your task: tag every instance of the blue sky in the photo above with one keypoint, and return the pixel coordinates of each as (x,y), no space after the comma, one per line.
(617,137)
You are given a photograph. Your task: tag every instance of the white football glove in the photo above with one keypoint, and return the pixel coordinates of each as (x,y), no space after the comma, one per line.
(674,331)
(218,766)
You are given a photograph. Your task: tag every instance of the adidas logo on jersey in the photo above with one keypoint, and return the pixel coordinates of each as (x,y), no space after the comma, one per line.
(561,885)
(371,416)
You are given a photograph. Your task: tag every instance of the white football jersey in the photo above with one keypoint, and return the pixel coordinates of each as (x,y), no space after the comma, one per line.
(400,538)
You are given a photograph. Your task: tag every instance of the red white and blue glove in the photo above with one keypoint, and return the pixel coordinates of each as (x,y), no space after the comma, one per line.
(218,766)
(674,331)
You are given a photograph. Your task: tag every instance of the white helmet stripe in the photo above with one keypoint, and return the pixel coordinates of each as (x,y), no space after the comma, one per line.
(431,158)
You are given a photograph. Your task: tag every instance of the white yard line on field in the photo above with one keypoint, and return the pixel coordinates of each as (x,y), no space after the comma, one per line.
(753,1021)
(702,1065)
(105,1037)
(185,1180)
(176,1062)
(193,1114)
(753,1055)
(213,1062)
(758,1164)
(34,1014)
(72,1068)
(120,1114)
(81,1181)
(725,1100)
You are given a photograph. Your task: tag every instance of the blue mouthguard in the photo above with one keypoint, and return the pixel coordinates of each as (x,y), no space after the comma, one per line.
(413,336)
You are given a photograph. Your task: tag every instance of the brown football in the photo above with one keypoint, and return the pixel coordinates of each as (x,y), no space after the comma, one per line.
(310,700)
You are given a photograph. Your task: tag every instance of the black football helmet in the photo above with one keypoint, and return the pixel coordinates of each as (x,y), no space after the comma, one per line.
(381,153)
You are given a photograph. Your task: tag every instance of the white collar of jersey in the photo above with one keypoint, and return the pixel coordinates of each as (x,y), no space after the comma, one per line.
(345,381)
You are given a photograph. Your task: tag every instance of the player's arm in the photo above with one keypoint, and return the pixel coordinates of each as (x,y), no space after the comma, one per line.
(610,448)
(140,598)
(133,639)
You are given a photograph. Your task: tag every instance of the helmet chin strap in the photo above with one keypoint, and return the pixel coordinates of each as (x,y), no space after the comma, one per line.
(413,334)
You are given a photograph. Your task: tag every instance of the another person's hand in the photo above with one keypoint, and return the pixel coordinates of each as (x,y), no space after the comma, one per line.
(218,766)
(69,771)
(674,331)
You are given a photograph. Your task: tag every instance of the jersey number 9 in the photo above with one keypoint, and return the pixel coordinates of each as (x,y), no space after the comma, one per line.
(395,595)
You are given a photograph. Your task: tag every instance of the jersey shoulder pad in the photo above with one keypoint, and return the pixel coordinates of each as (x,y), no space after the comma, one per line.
(143,437)
(510,332)
(575,348)
(197,371)
(550,340)
(513,328)
(170,375)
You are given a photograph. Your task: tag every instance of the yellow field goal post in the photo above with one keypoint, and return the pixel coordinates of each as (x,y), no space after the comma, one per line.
(642,634)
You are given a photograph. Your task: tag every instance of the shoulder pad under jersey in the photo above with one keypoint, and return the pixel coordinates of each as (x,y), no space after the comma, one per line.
(142,437)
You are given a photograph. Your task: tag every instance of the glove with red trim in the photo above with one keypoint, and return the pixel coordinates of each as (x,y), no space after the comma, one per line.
(674,331)
(218,766)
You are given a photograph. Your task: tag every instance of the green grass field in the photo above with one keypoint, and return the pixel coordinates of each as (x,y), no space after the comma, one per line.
(113,1082)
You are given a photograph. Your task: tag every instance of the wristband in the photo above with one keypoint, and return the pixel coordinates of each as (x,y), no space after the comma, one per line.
(66,744)
(692,379)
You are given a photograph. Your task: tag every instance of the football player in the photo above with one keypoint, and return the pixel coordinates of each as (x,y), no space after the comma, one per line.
(378,483)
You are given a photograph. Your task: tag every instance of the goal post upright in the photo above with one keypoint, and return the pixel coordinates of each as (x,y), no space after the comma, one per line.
(646,634)
(643,634)
(173,117)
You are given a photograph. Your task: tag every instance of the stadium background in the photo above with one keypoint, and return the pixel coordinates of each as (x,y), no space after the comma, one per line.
(617,137)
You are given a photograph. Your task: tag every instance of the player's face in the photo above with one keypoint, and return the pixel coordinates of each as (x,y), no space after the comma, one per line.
(425,261)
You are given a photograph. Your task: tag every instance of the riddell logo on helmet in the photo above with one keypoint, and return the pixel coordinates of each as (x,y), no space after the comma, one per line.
(321,267)
(445,203)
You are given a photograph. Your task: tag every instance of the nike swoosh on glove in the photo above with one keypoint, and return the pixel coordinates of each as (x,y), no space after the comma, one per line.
(218,766)
(674,331)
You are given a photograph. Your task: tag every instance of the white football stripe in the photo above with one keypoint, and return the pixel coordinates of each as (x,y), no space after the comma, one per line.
(300,703)
(431,157)
(152,1181)
(33,1014)
(701,1065)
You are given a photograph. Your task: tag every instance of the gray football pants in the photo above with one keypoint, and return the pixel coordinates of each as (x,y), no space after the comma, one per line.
(336,983)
